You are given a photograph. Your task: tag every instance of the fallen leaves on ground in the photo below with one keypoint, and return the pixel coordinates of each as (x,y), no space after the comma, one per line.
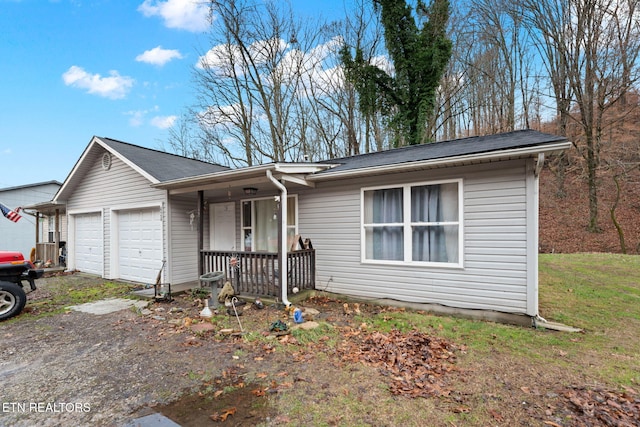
(414,361)
(222,417)
(258,392)
(595,407)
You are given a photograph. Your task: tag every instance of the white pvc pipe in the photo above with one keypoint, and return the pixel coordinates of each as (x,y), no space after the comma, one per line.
(283,238)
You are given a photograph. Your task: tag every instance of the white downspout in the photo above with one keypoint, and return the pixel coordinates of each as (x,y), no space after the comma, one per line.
(539,164)
(283,240)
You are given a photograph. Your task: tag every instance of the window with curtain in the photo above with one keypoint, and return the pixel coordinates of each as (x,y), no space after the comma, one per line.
(413,223)
(260,223)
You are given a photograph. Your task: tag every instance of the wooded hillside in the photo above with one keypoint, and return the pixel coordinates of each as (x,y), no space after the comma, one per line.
(564,192)
(564,220)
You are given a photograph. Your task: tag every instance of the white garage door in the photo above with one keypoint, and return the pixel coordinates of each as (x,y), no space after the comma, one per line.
(88,243)
(139,244)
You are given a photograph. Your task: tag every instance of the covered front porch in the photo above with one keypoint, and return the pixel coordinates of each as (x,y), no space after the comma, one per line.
(50,232)
(246,223)
(257,273)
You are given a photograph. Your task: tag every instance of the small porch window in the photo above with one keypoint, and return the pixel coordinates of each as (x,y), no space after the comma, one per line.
(260,223)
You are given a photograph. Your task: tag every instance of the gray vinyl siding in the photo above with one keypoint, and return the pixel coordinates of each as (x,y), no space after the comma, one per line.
(117,186)
(183,250)
(494,275)
(106,243)
(184,236)
(120,187)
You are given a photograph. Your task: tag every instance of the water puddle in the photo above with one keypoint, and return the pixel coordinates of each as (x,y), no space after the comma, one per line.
(246,406)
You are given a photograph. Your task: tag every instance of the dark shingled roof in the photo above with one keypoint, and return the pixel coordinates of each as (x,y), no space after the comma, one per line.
(444,149)
(162,166)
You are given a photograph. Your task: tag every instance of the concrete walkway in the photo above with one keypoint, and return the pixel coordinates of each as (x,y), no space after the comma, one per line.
(110,305)
(153,420)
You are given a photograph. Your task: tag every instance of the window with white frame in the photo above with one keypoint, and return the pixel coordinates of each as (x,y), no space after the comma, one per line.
(417,223)
(260,223)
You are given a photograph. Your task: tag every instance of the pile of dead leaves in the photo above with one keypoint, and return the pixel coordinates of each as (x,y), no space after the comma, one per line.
(597,407)
(414,361)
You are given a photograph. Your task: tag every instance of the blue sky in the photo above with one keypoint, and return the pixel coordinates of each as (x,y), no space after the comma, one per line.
(71,69)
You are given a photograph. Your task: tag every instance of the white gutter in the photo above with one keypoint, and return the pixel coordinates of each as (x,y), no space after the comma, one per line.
(248,175)
(282,252)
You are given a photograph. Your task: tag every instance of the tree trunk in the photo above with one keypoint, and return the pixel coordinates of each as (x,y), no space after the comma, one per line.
(592,181)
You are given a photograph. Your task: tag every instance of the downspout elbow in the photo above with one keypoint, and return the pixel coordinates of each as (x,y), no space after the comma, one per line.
(282,251)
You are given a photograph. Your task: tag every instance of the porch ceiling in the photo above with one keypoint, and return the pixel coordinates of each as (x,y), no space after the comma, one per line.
(235,191)
(48,208)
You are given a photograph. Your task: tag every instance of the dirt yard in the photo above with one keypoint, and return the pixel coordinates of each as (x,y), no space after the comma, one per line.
(82,369)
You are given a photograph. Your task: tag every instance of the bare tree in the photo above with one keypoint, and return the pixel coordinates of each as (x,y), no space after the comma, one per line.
(417,45)
(594,45)
(253,105)
(365,128)
(494,65)
(549,23)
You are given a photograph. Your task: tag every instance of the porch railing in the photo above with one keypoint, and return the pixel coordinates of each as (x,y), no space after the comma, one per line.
(256,273)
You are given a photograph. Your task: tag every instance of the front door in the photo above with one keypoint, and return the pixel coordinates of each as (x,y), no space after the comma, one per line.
(222,226)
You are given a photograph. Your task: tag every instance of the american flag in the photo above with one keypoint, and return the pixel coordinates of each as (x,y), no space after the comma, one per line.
(9,214)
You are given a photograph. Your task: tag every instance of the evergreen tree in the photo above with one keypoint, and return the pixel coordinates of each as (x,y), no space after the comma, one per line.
(419,56)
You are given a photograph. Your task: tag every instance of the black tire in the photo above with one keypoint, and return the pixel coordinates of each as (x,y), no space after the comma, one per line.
(12,300)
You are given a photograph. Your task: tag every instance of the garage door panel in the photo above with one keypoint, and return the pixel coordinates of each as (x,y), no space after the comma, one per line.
(140,244)
(88,243)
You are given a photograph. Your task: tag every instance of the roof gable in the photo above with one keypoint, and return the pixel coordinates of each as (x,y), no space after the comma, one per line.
(155,166)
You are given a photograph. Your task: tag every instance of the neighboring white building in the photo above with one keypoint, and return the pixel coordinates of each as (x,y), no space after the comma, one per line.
(21,236)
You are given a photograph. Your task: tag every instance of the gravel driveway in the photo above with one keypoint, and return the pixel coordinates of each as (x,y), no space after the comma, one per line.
(85,369)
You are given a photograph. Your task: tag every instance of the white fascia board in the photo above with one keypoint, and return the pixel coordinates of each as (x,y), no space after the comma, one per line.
(294,172)
(215,179)
(300,168)
(299,179)
(444,162)
(73,172)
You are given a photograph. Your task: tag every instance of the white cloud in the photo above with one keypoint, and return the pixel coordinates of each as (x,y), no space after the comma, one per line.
(158,56)
(225,114)
(294,66)
(114,86)
(6,151)
(137,117)
(163,122)
(190,15)
(222,59)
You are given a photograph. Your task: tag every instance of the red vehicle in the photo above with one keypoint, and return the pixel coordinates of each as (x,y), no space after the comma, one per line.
(14,270)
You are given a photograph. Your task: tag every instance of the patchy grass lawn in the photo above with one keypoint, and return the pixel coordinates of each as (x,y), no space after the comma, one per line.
(60,292)
(368,368)
(599,293)
(382,366)
(504,375)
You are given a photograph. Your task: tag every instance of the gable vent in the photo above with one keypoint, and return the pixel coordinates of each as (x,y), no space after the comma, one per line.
(106,161)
